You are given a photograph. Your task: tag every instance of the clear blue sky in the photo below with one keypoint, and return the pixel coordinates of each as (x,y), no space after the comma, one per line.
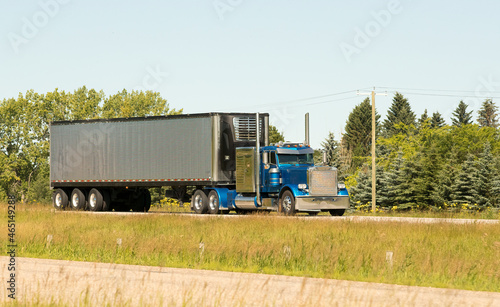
(258,56)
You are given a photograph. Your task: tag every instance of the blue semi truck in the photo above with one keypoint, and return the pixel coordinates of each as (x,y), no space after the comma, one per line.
(225,159)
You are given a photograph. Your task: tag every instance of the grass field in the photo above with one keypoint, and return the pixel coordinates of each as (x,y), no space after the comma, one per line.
(436,255)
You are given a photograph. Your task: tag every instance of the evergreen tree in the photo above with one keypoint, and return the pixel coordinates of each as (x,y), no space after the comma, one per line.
(362,192)
(399,113)
(488,114)
(443,188)
(274,135)
(358,132)
(331,147)
(460,116)
(464,190)
(424,118)
(393,182)
(437,120)
(487,175)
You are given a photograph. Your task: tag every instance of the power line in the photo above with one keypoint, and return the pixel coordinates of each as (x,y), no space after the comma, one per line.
(448,95)
(431,90)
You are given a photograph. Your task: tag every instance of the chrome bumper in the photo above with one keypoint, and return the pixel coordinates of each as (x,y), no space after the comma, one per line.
(304,203)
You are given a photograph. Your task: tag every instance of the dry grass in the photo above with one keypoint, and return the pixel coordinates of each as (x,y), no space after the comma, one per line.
(435,255)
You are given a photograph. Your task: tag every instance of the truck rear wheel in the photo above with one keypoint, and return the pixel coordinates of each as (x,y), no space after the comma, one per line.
(60,199)
(200,202)
(213,202)
(287,203)
(77,200)
(337,212)
(95,200)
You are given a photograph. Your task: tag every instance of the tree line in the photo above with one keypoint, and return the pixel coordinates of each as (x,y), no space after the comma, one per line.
(24,131)
(421,162)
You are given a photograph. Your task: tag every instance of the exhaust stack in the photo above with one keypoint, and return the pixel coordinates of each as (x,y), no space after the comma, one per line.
(307,130)
(257,158)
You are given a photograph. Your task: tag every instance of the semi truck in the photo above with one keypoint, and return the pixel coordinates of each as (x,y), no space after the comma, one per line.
(220,162)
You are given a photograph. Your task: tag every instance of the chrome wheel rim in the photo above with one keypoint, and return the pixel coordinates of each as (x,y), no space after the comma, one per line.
(213,203)
(74,200)
(92,200)
(58,200)
(198,202)
(287,203)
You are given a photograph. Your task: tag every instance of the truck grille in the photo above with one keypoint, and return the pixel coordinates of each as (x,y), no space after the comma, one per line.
(322,181)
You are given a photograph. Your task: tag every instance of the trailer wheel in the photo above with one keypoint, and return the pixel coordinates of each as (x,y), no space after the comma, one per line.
(147,200)
(213,202)
(288,203)
(60,199)
(200,202)
(337,212)
(77,200)
(95,200)
(106,201)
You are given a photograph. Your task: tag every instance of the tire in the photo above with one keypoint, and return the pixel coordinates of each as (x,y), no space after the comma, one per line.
(60,199)
(77,201)
(147,200)
(337,212)
(143,202)
(312,213)
(106,201)
(95,200)
(287,203)
(213,202)
(200,202)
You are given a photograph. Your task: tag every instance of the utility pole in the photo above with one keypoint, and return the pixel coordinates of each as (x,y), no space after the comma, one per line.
(374,166)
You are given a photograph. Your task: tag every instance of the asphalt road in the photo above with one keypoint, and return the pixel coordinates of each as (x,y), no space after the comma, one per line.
(75,283)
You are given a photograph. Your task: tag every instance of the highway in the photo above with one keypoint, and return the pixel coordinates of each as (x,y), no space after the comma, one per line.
(72,283)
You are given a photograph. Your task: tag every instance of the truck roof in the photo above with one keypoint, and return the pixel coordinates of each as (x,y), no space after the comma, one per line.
(193,115)
(290,148)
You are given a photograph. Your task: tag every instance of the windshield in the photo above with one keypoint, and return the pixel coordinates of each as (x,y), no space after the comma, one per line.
(296,159)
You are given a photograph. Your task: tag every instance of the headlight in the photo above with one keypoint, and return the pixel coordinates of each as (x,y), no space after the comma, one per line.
(302,186)
(341,186)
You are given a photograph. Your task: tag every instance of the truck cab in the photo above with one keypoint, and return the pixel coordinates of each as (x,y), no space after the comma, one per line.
(290,178)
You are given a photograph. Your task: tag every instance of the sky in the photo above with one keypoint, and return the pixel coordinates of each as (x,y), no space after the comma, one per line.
(285,58)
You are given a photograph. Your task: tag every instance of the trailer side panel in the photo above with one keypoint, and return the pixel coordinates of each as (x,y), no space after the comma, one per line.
(158,149)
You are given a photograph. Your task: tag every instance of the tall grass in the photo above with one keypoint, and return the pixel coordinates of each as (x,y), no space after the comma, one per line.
(436,255)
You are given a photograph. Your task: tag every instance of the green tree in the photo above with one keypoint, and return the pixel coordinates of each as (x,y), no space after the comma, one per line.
(460,116)
(136,104)
(423,120)
(486,178)
(331,147)
(361,193)
(488,114)
(437,120)
(399,113)
(275,136)
(358,133)
(464,188)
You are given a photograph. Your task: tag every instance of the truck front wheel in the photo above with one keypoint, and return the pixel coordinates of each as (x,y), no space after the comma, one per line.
(287,203)
(200,202)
